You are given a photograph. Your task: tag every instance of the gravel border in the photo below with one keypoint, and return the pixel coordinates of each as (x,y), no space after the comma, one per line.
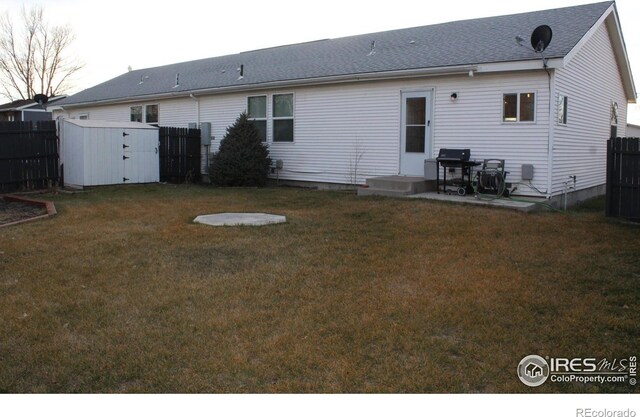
(16,210)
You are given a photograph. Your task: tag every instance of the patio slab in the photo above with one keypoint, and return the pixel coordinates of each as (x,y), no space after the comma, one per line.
(507,203)
(239,219)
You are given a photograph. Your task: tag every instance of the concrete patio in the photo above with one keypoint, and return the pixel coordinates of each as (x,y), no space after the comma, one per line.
(517,203)
(417,187)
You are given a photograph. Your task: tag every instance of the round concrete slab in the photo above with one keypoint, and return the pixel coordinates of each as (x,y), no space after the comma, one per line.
(239,219)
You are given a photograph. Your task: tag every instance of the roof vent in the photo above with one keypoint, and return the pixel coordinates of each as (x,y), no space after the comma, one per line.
(372,48)
(177,80)
(241,71)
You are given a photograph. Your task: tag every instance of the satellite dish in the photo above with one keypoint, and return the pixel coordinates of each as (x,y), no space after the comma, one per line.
(541,37)
(41,99)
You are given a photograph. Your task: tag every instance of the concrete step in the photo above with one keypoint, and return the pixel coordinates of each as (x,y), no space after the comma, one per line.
(410,185)
(363,191)
(396,186)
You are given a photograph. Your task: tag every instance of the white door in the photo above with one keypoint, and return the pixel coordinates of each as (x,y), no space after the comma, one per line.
(415,136)
(140,156)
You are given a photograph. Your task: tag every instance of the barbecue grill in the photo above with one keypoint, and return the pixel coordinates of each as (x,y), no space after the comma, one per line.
(455,158)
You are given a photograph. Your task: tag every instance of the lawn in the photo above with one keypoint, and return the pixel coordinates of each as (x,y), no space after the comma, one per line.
(121,292)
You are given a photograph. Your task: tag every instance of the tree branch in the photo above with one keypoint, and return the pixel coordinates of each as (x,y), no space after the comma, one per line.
(34,59)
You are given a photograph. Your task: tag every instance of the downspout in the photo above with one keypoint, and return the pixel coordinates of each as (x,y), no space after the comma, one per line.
(197,100)
(204,149)
(550,141)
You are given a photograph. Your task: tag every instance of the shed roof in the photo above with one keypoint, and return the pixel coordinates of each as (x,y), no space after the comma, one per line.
(108,124)
(446,45)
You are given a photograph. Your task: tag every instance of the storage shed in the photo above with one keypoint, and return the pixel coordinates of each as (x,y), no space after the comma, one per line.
(95,152)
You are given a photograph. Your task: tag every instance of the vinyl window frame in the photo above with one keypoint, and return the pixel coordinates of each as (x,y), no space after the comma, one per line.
(264,119)
(146,113)
(562,110)
(275,118)
(141,113)
(518,118)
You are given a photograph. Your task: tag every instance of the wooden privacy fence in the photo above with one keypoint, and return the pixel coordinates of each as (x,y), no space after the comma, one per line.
(28,155)
(623,178)
(179,154)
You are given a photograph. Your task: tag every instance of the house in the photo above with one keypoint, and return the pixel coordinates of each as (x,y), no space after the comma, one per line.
(633,131)
(26,110)
(339,111)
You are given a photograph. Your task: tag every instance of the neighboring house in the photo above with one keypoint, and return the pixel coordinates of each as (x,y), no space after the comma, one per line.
(633,131)
(26,110)
(385,102)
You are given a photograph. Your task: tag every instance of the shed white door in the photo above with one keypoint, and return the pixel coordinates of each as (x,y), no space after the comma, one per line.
(415,136)
(140,156)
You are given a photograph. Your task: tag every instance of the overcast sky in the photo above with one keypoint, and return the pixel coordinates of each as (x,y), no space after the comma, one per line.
(115,34)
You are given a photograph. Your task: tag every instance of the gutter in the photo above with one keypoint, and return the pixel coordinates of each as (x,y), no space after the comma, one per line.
(302,82)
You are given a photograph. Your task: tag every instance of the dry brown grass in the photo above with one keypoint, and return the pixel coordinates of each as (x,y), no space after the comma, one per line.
(122,293)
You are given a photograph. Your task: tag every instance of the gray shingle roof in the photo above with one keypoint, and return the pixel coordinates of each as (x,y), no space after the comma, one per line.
(468,42)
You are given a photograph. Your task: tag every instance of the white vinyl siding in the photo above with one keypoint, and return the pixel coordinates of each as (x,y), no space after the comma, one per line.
(335,125)
(474,121)
(592,82)
(116,113)
(176,112)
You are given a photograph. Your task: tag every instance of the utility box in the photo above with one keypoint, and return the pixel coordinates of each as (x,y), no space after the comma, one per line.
(95,152)
(527,172)
(430,169)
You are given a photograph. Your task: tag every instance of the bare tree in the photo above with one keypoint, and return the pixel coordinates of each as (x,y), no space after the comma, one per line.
(33,57)
(354,163)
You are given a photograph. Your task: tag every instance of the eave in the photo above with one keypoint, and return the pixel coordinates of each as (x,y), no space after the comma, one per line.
(304,82)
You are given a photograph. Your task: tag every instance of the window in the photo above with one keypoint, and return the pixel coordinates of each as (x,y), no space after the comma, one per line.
(416,122)
(519,107)
(151,113)
(136,114)
(527,107)
(83,116)
(283,118)
(563,101)
(257,112)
